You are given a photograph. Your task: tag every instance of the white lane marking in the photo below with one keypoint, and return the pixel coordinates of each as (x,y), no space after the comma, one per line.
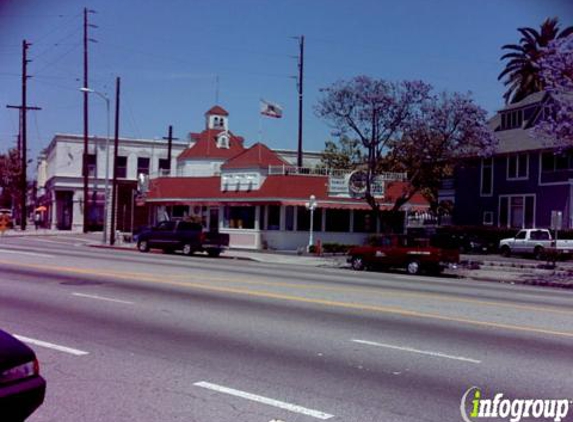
(53,346)
(265,400)
(26,253)
(109,299)
(412,350)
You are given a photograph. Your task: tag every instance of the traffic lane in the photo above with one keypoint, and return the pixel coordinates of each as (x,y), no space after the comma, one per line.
(381,381)
(461,289)
(461,341)
(327,303)
(501,315)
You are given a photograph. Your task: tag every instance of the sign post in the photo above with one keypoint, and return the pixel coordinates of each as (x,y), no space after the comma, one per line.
(556,222)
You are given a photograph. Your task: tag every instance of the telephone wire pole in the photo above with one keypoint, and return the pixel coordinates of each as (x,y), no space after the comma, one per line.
(300,97)
(170,140)
(23,135)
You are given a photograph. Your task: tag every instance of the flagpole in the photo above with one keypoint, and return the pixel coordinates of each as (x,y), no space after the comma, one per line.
(260,126)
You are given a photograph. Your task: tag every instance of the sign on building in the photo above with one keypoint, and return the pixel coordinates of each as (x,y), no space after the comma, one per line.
(354,185)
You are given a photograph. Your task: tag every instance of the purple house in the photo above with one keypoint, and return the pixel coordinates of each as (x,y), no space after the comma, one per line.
(522,183)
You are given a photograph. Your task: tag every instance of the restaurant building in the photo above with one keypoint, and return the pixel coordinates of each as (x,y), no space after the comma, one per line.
(260,199)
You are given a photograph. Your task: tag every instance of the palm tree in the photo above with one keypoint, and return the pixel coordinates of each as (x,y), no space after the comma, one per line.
(522,70)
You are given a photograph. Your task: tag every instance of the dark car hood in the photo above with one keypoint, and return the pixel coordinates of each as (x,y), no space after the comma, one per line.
(13,352)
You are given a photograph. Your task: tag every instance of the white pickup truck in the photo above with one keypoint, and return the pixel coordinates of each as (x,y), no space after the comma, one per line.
(534,242)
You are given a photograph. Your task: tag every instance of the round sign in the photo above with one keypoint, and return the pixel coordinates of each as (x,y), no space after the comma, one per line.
(358,183)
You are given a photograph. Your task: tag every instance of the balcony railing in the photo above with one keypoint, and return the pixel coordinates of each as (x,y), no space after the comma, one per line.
(306,171)
(299,171)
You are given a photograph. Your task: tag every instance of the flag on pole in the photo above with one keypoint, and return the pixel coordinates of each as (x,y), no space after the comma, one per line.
(271,109)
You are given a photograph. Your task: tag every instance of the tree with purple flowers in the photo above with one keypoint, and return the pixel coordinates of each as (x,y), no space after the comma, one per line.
(403,127)
(556,68)
(445,129)
(374,111)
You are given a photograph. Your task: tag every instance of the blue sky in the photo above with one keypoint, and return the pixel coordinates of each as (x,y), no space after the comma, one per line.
(170,53)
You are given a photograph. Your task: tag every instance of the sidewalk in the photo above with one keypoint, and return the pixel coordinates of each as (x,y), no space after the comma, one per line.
(283,257)
(31,231)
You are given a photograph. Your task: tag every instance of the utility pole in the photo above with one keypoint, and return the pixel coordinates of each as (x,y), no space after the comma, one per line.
(86,99)
(22,137)
(170,140)
(115,151)
(300,95)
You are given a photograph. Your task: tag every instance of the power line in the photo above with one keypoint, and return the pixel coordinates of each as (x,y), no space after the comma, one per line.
(59,58)
(184,61)
(57,28)
(58,43)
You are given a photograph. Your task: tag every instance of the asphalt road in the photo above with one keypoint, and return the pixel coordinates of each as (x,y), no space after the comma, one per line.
(153,337)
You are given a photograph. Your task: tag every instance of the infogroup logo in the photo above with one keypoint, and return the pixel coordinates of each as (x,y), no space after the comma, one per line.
(514,410)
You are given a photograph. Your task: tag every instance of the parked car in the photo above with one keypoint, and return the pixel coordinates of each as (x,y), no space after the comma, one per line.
(534,242)
(185,236)
(22,389)
(397,251)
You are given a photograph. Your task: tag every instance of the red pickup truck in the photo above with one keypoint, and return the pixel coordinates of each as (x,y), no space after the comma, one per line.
(400,251)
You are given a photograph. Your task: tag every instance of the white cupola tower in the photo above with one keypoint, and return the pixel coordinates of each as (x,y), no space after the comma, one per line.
(217,118)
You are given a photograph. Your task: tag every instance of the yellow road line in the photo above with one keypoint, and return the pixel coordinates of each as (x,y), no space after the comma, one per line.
(299,299)
(386,293)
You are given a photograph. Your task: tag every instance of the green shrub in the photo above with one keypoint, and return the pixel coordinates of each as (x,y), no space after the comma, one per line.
(334,247)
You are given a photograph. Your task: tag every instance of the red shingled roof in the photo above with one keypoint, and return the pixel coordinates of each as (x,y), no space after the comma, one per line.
(206,146)
(217,110)
(285,189)
(257,156)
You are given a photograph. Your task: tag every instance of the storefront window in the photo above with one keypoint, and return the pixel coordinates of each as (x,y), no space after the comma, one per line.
(273,217)
(242,217)
(303,219)
(337,220)
(214,218)
(180,211)
(364,222)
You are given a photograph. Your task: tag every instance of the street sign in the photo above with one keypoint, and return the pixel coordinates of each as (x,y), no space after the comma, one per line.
(556,220)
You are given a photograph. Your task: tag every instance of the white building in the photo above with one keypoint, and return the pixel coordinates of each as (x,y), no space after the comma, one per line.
(60,181)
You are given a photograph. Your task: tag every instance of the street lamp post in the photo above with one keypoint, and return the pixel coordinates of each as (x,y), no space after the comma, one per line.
(311,205)
(106,188)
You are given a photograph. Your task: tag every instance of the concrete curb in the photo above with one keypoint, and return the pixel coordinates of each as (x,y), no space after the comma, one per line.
(537,282)
(34,234)
(134,249)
